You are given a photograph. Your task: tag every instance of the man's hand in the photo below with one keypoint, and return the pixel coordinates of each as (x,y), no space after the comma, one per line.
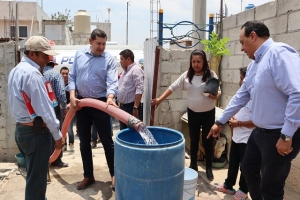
(284,147)
(135,113)
(233,122)
(59,144)
(214,131)
(110,101)
(74,103)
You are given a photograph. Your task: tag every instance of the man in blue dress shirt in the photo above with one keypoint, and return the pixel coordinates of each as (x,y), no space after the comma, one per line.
(34,114)
(272,88)
(93,75)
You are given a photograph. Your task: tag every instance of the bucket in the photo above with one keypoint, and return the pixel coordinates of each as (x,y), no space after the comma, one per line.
(149,171)
(20,160)
(190,184)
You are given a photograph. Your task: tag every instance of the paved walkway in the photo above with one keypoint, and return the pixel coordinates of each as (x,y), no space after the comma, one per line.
(64,180)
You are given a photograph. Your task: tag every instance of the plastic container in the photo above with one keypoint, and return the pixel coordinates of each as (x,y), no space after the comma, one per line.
(149,171)
(20,160)
(190,184)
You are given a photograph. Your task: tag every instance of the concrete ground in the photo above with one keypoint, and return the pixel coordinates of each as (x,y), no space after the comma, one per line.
(64,180)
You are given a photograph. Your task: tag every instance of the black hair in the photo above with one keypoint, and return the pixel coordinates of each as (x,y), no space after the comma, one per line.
(63,68)
(259,28)
(206,70)
(243,71)
(98,32)
(127,53)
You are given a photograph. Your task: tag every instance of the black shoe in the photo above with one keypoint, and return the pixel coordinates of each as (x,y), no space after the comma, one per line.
(209,174)
(194,167)
(60,164)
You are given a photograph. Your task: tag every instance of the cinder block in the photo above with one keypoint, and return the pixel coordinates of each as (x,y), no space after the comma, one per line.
(245,16)
(227,76)
(177,105)
(170,67)
(231,46)
(292,39)
(174,77)
(235,62)
(185,64)
(176,95)
(229,22)
(166,80)
(277,25)
(234,33)
(164,54)
(225,100)
(224,62)
(180,54)
(293,23)
(230,88)
(285,6)
(265,11)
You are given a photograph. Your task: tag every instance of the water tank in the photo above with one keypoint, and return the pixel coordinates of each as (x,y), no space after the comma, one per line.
(250,6)
(82,22)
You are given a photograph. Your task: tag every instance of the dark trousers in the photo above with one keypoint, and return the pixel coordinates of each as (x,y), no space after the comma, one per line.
(85,118)
(36,149)
(237,151)
(58,116)
(198,120)
(265,170)
(129,109)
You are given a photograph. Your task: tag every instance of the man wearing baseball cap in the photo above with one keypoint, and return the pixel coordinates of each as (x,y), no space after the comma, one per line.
(34,114)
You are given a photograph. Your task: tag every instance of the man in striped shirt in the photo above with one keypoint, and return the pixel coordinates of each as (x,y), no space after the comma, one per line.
(56,80)
(131,86)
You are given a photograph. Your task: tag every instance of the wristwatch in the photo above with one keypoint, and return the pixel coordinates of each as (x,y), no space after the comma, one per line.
(285,137)
(219,124)
(135,108)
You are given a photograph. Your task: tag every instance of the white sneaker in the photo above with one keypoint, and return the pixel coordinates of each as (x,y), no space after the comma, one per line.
(71,145)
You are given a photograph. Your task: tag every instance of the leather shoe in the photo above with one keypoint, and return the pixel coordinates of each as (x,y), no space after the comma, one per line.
(209,174)
(86,182)
(60,164)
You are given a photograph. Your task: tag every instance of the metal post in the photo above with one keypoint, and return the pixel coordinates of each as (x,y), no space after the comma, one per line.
(211,24)
(127,24)
(17,33)
(160,27)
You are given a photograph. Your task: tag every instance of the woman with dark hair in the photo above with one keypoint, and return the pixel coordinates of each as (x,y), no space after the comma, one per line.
(200,108)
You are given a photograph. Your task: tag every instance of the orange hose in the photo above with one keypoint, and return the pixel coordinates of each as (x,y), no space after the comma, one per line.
(88,102)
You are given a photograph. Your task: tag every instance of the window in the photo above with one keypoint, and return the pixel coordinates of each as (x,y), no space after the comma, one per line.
(22,31)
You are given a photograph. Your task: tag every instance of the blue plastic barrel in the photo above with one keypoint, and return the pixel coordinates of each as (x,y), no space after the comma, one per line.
(149,172)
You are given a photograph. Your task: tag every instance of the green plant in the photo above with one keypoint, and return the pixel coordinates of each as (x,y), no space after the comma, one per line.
(216,46)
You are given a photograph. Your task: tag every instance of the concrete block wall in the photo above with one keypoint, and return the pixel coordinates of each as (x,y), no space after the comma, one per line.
(172,64)
(7,123)
(281,17)
(81,38)
(64,31)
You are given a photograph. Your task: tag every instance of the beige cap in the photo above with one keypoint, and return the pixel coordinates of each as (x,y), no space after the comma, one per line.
(41,44)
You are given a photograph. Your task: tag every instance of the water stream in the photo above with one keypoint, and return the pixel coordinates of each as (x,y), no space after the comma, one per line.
(146,135)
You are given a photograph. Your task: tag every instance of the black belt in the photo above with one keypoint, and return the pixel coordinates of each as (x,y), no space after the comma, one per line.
(269,130)
(100,98)
(127,104)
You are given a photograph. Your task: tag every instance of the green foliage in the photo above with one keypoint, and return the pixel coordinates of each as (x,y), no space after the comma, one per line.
(216,46)
(61,16)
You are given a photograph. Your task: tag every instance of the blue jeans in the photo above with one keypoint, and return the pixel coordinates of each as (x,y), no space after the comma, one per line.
(70,131)
(36,149)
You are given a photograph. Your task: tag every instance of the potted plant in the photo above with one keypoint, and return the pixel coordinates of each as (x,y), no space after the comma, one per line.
(217,48)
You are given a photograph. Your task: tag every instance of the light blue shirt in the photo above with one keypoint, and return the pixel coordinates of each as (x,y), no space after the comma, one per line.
(25,77)
(272,87)
(93,76)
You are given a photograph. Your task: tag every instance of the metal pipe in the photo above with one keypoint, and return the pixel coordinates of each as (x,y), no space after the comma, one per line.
(211,24)
(17,34)
(9,18)
(160,27)
(127,24)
